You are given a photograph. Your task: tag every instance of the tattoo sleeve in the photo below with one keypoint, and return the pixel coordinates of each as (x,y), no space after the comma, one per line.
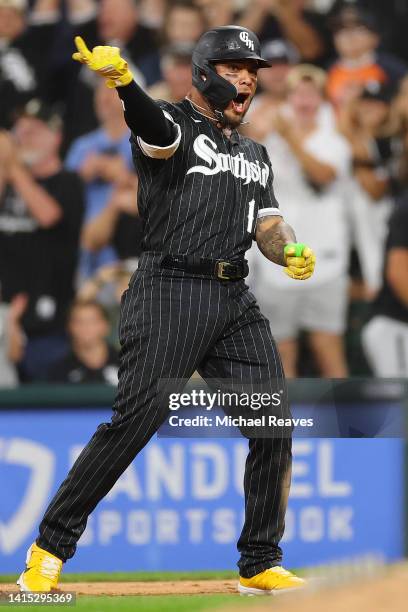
(273,237)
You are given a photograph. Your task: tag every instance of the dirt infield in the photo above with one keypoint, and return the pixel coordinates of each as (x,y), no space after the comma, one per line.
(179,587)
(386,592)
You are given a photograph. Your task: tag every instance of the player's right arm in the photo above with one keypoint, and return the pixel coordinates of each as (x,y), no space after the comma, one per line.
(157,134)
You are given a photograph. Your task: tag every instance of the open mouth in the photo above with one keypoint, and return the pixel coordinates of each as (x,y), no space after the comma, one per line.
(238,103)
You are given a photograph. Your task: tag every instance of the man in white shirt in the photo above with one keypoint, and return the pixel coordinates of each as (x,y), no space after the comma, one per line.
(310,160)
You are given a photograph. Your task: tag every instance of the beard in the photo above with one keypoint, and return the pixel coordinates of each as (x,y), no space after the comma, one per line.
(232,122)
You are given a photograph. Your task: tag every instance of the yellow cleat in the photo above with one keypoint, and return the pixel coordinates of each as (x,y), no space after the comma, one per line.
(270,582)
(42,571)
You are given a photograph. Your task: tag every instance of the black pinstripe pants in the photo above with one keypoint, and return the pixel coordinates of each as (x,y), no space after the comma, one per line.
(171,325)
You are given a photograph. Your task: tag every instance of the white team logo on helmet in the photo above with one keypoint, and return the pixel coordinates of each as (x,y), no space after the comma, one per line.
(244,36)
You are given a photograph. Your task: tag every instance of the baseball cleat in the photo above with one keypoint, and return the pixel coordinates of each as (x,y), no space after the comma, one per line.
(272,581)
(42,571)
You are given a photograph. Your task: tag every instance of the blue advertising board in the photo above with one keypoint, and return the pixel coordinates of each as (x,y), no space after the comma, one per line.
(179,506)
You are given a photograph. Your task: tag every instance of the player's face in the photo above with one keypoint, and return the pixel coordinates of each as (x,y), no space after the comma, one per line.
(244,75)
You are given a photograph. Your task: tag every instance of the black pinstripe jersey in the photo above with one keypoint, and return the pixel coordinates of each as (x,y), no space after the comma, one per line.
(205,199)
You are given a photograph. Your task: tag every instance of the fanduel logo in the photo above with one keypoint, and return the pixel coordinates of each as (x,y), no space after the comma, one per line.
(216,162)
(40,463)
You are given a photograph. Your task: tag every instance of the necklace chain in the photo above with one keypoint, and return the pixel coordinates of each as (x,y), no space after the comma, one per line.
(196,107)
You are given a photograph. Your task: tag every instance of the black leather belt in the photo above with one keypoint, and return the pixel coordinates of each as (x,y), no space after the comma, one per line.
(216,268)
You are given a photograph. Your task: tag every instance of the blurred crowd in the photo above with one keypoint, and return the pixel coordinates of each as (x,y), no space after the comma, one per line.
(332,111)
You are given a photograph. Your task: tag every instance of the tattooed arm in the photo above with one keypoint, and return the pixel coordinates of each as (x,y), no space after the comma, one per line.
(272,235)
(277,241)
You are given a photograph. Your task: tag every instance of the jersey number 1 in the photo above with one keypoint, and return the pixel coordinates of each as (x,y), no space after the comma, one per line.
(250,216)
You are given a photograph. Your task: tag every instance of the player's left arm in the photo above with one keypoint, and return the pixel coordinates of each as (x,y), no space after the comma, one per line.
(277,241)
(272,235)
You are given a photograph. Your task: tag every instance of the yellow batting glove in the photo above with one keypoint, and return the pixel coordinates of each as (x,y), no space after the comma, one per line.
(104,60)
(300,261)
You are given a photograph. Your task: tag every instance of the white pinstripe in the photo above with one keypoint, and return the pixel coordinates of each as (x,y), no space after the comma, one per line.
(256,343)
(214,338)
(193,210)
(60,493)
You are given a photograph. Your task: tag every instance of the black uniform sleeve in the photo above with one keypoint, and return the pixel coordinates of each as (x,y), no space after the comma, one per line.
(145,117)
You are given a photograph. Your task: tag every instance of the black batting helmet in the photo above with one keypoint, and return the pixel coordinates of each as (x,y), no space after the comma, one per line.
(220,45)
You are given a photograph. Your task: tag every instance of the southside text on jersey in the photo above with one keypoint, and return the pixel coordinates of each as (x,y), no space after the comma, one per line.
(240,167)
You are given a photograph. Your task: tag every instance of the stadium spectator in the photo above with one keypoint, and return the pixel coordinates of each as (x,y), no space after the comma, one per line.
(218,12)
(25,42)
(274,19)
(273,84)
(117,224)
(176,70)
(104,161)
(113,22)
(107,287)
(359,62)
(183,23)
(292,20)
(41,207)
(282,57)
(311,162)
(391,17)
(12,339)
(152,13)
(365,122)
(385,337)
(35,58)
(399,122)
(90,359)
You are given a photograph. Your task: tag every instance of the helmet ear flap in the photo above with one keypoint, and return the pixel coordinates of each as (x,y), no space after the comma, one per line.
(214,87)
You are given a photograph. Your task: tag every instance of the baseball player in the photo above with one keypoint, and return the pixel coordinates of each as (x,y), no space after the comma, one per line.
(205,192)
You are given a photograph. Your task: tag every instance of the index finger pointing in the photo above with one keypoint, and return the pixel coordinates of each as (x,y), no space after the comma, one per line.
(82,48)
